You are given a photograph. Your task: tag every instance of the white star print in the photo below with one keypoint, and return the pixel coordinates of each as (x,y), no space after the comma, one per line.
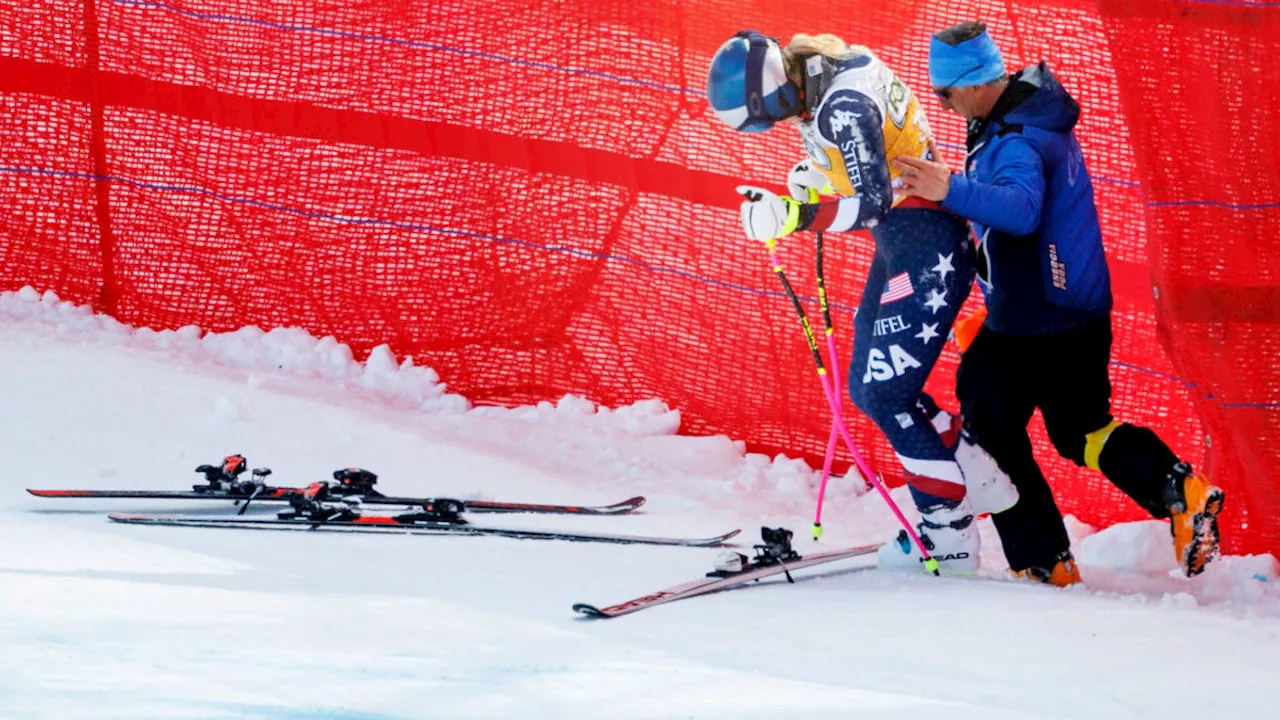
(937,300)
(927,332)
(944,266)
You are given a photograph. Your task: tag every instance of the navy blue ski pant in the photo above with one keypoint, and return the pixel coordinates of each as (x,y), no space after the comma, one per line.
(920,276)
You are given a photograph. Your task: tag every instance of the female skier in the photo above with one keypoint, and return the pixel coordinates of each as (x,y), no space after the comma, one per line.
(856,117)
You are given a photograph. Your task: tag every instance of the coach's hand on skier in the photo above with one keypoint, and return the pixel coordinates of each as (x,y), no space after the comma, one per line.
(765,216)
(928,179)
(806,184)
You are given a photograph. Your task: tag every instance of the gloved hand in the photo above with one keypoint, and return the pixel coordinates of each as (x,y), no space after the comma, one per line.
(805,182)
(765,216)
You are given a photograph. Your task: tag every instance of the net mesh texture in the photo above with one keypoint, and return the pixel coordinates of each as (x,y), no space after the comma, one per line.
(534,199)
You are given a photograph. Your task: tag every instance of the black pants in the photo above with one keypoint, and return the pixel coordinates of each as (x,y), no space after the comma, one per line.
(1003,379)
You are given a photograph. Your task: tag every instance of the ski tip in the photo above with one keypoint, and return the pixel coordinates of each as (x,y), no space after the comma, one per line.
(55,493)
(127,517)
(590,611)
(720,539)
(627,505)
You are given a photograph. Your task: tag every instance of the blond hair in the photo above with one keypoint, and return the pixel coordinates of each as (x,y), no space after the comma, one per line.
(803,47)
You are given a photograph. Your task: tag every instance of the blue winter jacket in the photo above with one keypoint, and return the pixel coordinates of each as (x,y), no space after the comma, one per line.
(1027,191)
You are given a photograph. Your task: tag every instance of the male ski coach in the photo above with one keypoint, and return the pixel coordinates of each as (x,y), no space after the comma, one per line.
(1046,339)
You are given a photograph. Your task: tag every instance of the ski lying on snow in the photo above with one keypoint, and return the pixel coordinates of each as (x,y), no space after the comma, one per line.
(281,494)
(393,526)
(266,493)
(488,506)
(774,557)
(223,482)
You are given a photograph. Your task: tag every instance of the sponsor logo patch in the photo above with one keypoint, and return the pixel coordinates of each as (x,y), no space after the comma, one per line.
(890,325)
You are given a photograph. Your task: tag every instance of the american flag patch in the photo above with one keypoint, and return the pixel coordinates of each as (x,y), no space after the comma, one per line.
(898,287)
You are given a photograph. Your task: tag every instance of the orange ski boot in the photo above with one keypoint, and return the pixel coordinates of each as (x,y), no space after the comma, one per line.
(1193,505)
(1063,573)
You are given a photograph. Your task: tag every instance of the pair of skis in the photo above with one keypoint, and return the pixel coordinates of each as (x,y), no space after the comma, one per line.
(334,506)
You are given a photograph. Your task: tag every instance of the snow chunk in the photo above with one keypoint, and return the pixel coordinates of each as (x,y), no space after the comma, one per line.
(644,418)
(1144,546)
(1239,578)
(226,410)
(1077,530)
(405,384)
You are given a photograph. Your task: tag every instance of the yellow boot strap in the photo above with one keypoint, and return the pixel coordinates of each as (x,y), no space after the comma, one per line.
(1094,442)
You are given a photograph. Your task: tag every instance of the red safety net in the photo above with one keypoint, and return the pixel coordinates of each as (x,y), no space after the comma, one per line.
(533,198)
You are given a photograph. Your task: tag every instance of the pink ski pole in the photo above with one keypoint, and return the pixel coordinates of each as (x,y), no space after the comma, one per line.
(837,418)
(826,475)
(833,400)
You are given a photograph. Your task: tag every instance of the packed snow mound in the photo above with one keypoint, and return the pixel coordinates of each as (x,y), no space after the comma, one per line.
(1138,546)
(1137,557)
(288,351)
(637,443)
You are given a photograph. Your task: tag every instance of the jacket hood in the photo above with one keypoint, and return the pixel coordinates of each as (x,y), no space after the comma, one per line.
(1040,101)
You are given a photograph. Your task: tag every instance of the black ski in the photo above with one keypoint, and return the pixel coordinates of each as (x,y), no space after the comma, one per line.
(400,526)
(774,557)
(279,494)
(222,482)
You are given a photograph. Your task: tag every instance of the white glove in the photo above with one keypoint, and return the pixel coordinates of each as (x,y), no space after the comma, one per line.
(806,182)
(765,216)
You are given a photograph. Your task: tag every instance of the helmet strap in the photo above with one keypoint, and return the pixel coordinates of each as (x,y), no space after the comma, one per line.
(818,76)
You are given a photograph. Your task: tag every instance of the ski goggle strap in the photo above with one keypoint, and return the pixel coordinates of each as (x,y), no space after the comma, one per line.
(763,110)
(757,118)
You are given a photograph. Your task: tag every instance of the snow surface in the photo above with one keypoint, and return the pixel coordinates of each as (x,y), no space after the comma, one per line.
(99,620)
